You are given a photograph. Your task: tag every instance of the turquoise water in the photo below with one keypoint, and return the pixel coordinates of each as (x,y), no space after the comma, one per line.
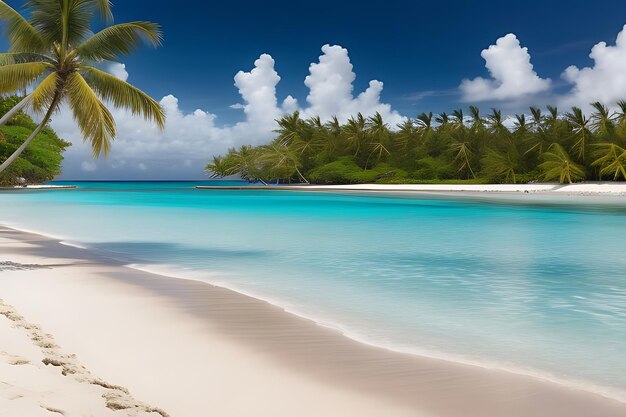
(537,289)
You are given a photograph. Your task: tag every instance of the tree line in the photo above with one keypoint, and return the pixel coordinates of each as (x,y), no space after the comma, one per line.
(543,145)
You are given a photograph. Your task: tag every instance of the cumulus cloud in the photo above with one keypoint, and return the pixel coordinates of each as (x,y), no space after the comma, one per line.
(330,82)
(258,90)
(189,139)
(512,74)
(605,81)
(118,70)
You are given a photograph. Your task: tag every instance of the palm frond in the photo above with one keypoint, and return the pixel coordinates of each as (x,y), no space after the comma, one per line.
(66,22)
(22,35)
(11,58)
(44,94)
(94,119)
(111,43)
(104,8)
(19,76)
(124,95)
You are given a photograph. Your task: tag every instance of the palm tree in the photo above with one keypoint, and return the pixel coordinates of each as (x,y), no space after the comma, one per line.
(55,48)
(407,135)
(500,166)
(280,162)
(458,119)
(540,140)
(478,124)
(333,136)
(537,119)
(220,167)
(496,126)
(559,166)
(603,122)
(378,133)
(612,161)
(425,121)
(520,124)
(443,119)
(246,162)
(306,138)
(581,133)
(463,155)
(355,132)
(289,128)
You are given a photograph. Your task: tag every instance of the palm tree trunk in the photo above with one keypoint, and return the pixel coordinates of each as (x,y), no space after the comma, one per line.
(19,106)
(32,136)
(302,176)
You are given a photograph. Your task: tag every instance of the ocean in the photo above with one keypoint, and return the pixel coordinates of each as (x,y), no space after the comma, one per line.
(538,289)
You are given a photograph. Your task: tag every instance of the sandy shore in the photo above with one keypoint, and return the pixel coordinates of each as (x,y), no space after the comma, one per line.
(144,344)
(586,188)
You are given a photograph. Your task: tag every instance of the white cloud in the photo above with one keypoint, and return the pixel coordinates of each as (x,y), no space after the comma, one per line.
(330,83)
(290,104)
(605,81)
(512,74)
(189,139)
(118,70)
(237,106)
(88,166)
(258,90)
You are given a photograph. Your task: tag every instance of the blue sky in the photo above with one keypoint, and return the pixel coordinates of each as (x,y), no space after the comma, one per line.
(421,51)
(412,46)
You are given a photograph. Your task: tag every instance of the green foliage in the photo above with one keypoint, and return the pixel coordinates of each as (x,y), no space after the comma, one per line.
(458,147)
(41,161)
(558,166)
(346,171)
(611,161)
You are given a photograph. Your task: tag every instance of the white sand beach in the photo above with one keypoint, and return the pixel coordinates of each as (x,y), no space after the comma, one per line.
(578,189)
(81,335)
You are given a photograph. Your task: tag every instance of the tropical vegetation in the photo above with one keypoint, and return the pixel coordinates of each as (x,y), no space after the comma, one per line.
(54,53)
(41,161)
(457,147)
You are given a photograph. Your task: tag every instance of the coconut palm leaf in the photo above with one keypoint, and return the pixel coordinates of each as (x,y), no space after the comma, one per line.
(463,157)
(23,37)
(425,121)
(104,8)
(124,95)
(612,160)
(478,123)
(581,133)
(603,120)
(65,22)
(115,41)
(94,119)
(559,166)
(19,76)
(499,166)
(11,58)
(45,93)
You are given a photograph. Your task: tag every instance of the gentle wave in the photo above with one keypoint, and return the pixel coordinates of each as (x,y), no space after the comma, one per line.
(215,279)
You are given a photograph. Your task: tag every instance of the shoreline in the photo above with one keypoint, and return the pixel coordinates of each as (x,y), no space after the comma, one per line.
(569,383)
(390,347)
(579,189)
(399,377)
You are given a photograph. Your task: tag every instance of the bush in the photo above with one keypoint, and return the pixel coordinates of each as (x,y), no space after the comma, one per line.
(40,161)
(434,168)
(346,171)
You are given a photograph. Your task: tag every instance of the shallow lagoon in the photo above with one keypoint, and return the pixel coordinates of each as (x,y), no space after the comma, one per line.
(535,288)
